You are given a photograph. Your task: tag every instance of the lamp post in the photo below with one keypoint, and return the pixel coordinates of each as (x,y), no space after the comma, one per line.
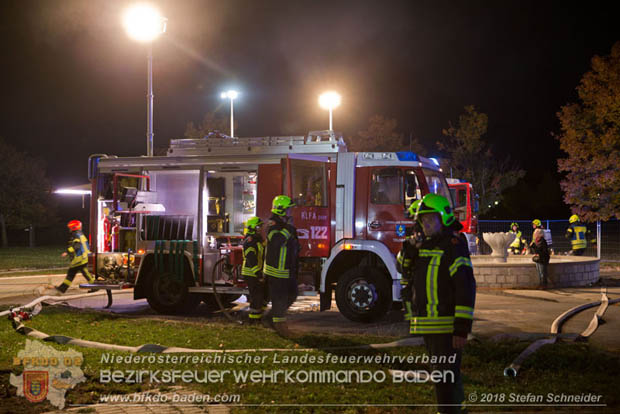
(232,95)
(330,100)
(144,24)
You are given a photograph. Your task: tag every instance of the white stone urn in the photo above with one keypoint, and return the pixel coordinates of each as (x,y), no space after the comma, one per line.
(499,242)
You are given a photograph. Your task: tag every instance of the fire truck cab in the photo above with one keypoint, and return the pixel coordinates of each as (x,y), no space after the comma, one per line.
(466,210)
(179,218)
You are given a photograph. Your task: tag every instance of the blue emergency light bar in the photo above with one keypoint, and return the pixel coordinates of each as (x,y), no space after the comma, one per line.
(407,156)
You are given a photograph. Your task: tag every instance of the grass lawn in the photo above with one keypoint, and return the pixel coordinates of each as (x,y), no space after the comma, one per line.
(47,257)
(564,368)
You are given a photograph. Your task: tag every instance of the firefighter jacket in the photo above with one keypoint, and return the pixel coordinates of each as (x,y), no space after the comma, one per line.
(253,249)
(78,249)
(519,241)
(577,234)
(282,249)
(444,285)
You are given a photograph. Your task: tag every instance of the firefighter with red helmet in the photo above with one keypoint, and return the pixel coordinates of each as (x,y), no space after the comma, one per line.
(252,268)
(445,294)
(281,262)
(77,250)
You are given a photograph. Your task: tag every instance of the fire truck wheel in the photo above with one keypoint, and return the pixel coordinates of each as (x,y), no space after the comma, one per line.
(170,295)
(363,294)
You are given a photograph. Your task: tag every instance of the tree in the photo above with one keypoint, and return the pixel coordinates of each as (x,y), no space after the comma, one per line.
(590,135)
(25,196)
(211,123)
(471,159)
(381,135)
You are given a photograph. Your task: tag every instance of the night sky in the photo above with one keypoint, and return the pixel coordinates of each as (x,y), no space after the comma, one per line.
(73,83)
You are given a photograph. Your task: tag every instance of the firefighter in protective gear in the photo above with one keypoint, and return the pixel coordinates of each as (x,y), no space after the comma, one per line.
(77,250)
(445,294)
(578,235)
(517,246)
(537,224)
(252,268)
(281,262)
(413,237)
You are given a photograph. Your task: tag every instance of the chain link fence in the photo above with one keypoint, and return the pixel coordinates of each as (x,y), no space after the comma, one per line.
(609,235)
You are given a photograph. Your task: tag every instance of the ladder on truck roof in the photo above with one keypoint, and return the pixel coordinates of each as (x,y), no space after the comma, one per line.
(315,143)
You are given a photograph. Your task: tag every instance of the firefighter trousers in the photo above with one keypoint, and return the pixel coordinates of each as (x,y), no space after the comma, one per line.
(577,252)
(450,389)
(283,292)
(71,275)
(259,295)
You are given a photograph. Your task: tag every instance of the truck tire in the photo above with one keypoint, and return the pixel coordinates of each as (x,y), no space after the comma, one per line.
(363,294)
(169,295)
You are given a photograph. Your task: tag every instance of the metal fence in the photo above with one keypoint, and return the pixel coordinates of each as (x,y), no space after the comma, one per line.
(608,232)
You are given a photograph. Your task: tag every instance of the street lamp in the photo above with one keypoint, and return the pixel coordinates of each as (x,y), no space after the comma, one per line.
(144,24)
(232,95)
(330,100)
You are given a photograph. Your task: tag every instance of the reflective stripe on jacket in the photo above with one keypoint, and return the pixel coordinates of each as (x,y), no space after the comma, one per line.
(445,288)
(78,249)
(252,255)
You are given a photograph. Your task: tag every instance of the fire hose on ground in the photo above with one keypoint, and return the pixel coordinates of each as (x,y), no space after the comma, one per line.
(26,312)
(513,369)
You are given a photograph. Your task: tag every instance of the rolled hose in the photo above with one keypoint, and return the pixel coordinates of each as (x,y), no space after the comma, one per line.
(513,369)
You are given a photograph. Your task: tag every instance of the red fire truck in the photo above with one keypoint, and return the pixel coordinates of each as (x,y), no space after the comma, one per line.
(180,218)
(466,209)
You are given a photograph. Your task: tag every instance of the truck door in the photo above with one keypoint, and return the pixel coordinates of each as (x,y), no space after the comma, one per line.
(306,182)
(391,192)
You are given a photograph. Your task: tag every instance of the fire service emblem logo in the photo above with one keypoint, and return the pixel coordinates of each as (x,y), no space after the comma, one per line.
(36,385)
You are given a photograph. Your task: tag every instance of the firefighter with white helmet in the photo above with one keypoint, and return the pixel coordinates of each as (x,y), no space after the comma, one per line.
(77,250)
(281,262)
(252,268)
(445,294)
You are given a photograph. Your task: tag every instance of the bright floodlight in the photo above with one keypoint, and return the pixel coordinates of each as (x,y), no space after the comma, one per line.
(144,23)
(72,191)
(330,100)
(230,95)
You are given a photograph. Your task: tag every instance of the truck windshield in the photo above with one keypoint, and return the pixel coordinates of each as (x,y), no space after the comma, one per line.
(437,184)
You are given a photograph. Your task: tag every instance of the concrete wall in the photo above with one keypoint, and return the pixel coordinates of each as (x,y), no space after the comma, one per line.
(520,272)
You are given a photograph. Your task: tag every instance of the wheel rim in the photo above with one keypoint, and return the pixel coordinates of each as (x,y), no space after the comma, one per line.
(361,295)
(168,290)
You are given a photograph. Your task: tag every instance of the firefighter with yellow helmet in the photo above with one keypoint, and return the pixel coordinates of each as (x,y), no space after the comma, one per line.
(281,262)
(403,260)
(252,268)
(578,234)
(518,245)
(445,294)
(78,251)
